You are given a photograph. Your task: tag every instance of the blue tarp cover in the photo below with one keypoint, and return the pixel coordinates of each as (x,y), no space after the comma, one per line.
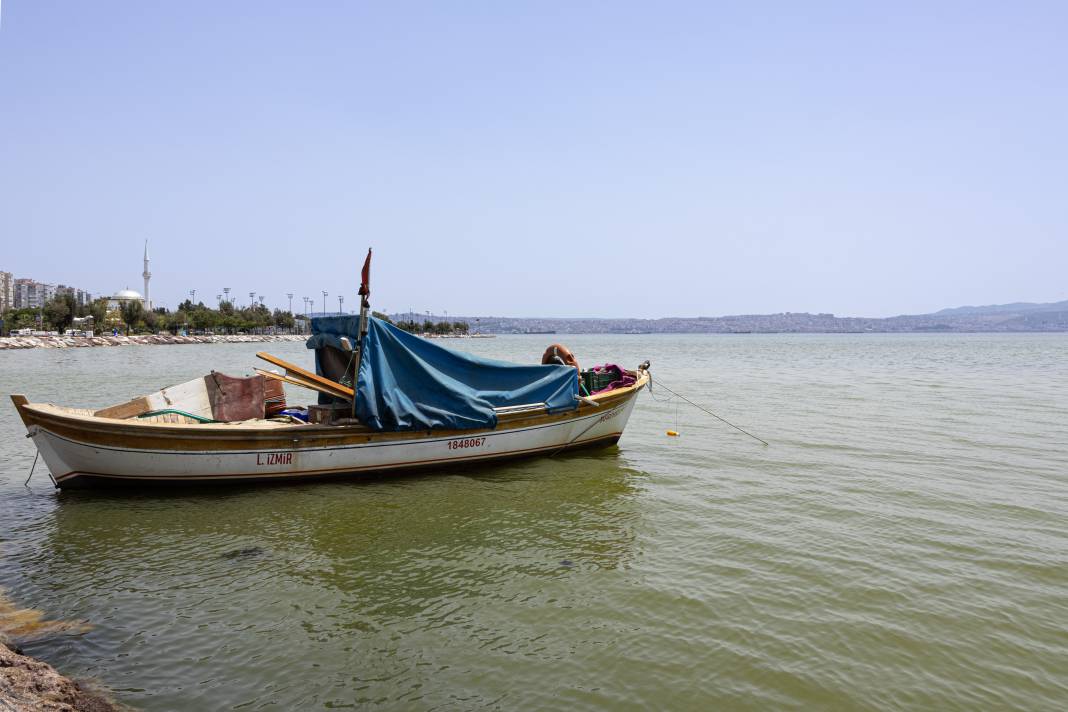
(409,383)
(327,331)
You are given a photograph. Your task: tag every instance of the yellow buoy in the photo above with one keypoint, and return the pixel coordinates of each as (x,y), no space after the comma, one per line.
(672,433)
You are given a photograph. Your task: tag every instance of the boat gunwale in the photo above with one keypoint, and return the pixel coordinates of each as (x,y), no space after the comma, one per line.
(49,414)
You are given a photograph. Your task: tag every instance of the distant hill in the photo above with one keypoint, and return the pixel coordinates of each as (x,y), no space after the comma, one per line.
(1014,308)
(1018,317)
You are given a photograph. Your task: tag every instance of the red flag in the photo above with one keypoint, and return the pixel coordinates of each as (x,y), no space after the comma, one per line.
(365,277)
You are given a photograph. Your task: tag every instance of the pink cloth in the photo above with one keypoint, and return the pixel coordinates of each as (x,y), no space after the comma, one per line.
(622,378)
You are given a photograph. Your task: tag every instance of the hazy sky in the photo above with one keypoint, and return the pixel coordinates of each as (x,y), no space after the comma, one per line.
(559,159)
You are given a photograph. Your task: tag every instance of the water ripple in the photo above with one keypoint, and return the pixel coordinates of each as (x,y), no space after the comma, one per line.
(901,544)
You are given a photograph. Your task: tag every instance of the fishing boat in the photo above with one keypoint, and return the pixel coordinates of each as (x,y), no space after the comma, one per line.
(389,401)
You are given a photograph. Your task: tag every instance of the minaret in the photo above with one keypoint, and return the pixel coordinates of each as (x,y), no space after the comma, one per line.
(147,275)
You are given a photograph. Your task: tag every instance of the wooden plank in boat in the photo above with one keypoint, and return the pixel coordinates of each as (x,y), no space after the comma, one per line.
(129,409)
(303,383)
(191,396)
(293,369)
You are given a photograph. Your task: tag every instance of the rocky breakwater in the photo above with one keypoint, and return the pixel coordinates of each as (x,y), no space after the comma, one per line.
(73,342)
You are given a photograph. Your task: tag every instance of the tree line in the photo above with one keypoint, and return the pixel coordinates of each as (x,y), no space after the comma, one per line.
(132,318)
(443,328)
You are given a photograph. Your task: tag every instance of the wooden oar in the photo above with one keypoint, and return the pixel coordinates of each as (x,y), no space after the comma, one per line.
(297,381)
(295,371)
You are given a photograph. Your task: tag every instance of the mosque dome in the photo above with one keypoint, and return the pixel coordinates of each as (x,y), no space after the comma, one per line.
(125,295)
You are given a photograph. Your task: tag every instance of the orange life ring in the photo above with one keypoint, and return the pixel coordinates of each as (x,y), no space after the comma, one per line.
(558,353)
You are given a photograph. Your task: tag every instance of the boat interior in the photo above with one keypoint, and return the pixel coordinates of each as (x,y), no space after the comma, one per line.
(260,400)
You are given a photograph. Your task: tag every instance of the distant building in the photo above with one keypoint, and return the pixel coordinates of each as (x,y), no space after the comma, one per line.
(7,292)
(30,294)
(116,300)
(21,297)
(81,297)
(25,293)
(146,275)
(83,323)
(113,315)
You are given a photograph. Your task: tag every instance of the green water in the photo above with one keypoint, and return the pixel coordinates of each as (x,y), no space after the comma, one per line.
(902,544)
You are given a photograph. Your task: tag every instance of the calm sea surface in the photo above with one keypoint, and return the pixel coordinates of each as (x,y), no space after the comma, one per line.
(902,544)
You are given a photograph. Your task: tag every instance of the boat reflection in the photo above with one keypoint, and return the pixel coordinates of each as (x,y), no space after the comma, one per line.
(251,589)
(394,542)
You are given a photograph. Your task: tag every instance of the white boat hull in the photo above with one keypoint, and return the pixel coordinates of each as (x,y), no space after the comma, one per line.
(218,453)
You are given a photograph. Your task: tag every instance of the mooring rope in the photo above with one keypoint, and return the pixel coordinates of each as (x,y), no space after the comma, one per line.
(701,407)
(571,442)
(27,482)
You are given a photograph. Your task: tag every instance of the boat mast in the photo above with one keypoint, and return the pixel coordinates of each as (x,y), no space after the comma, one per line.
(365,304)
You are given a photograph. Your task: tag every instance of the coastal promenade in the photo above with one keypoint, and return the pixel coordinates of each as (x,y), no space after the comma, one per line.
(72,342)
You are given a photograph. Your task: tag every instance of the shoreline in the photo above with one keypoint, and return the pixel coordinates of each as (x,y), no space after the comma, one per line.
(79,342)
(27,683)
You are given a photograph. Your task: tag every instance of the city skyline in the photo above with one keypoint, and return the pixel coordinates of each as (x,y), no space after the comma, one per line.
(318,304)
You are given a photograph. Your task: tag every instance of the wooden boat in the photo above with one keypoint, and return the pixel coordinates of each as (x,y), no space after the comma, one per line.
(413,405)
(82,448)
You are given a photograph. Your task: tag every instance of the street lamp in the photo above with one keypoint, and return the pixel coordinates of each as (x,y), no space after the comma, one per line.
(252,299)
(290,295)
(340,299)
(306,300)
(325,295)
(192,296)
(218,298)
(226,290)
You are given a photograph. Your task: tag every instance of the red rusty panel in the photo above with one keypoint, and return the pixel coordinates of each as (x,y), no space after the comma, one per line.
(234,399)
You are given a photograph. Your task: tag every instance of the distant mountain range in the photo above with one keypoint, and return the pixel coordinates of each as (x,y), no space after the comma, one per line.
(1017,317)
(1014,308)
